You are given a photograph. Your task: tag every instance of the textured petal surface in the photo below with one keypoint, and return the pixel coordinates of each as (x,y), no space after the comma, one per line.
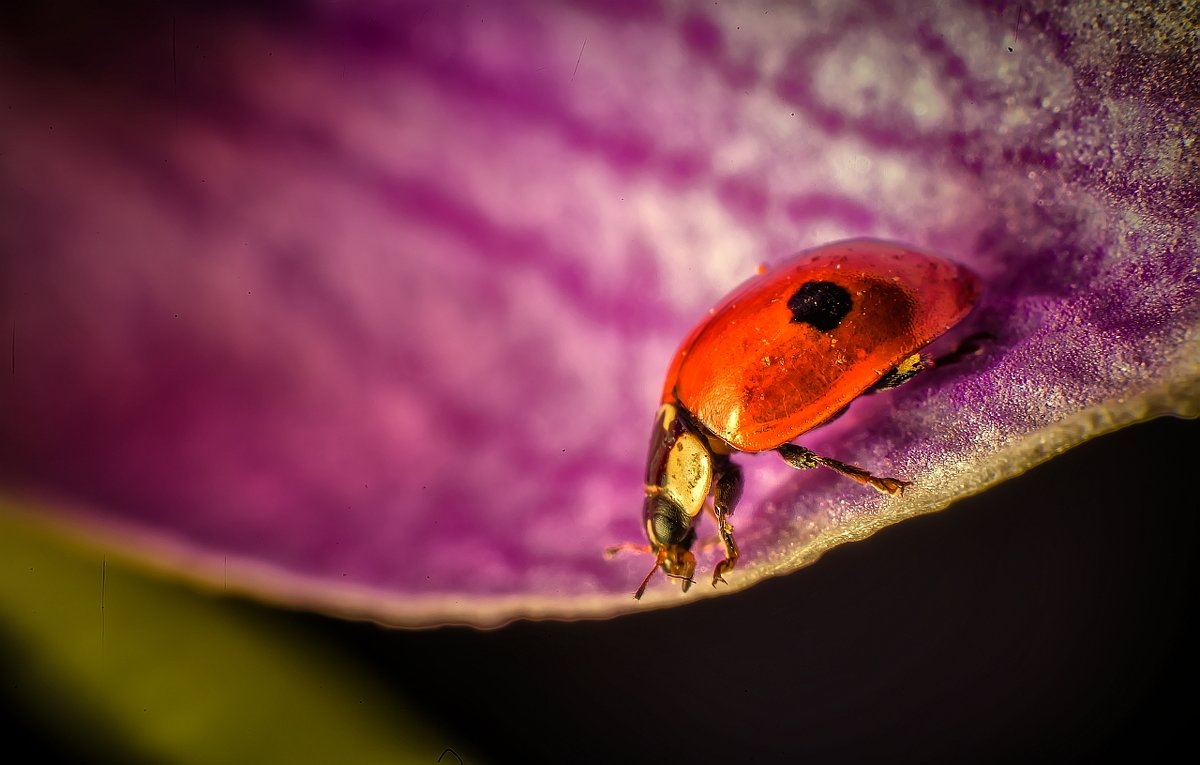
(367,308)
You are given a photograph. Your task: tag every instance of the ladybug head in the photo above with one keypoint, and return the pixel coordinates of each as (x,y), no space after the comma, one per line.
(679,474)
(671,537)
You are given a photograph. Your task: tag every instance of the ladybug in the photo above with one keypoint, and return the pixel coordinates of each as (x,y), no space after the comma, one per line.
(784,353)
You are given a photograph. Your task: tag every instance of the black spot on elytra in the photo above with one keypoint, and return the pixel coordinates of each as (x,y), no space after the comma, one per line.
(821,304)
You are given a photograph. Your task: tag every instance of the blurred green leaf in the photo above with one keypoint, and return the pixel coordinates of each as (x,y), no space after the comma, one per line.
(166,673)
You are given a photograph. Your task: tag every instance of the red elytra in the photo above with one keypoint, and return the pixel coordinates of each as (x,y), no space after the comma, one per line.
(757,379)
(786,352)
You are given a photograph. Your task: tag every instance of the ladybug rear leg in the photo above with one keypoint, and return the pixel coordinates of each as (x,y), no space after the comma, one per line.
(973,345)
(903,372)
(803,459)
(726,493)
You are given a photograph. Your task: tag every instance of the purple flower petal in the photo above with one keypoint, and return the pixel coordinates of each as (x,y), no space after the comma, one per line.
(367,310)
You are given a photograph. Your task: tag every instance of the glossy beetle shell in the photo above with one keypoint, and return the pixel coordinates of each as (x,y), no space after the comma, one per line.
(757,379)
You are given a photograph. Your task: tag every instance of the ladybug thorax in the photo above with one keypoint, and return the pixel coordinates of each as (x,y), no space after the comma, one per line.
(679,476)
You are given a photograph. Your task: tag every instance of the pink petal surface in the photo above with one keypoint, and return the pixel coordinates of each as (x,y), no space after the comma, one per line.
(366,309)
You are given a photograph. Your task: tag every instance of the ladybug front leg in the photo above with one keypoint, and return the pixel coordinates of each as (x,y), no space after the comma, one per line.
(726,494)
(802,459)
(615,550)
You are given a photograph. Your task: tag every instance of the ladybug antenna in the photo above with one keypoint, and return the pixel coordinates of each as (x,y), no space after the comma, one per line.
(662,554)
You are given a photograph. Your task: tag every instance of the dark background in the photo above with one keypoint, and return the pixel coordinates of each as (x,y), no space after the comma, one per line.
(1048,619)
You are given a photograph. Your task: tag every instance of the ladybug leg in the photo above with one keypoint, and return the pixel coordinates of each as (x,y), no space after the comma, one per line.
(903,372)
(726,494)
(973,345)
(609,552)
(802,459)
